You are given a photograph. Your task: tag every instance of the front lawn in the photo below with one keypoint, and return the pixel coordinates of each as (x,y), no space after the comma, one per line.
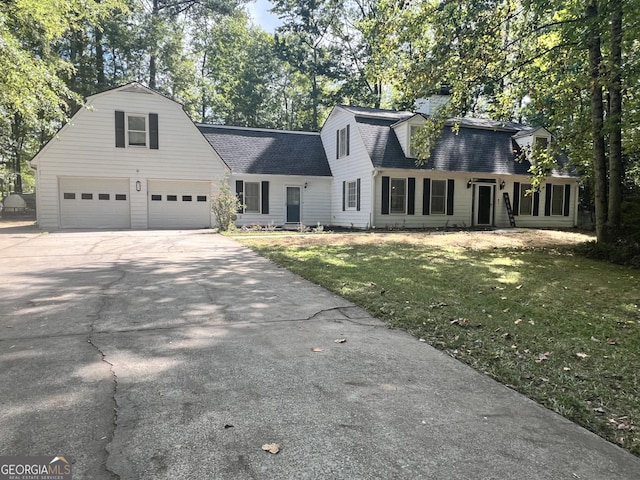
(562,329)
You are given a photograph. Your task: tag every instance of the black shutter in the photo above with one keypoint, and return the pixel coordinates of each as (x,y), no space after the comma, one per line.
(348,139)
(358,195)
(547,199)
(265,198)
(120,129)
(153,131)
(426,197)
(567,198)
(337,144)
(344,196)
(240,194)
(516,198)
(450,192)
(411,196)
(536,204)
(385,196)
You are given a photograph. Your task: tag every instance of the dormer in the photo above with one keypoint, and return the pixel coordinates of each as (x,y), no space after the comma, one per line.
(533,139)
(405,131)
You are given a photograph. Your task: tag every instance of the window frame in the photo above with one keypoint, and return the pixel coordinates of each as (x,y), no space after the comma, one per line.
(129,130)
(258,198)
(351,193)
(343,141)
(391,196)
(524,199)
(561,188)
(433,196)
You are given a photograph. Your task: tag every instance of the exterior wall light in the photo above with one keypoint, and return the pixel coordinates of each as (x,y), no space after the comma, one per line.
(138,186)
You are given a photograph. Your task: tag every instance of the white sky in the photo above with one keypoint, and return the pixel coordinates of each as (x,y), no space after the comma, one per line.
(259,11)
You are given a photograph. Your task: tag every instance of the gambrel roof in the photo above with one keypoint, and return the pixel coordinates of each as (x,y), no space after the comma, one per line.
(268,152)
(465,145)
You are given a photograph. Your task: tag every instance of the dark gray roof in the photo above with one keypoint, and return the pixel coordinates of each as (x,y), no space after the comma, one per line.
(378,112)
(473,149)
(268,152)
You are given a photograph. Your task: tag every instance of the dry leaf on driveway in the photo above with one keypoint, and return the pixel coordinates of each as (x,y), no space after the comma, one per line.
(340,340)
(272,448)
(316,349)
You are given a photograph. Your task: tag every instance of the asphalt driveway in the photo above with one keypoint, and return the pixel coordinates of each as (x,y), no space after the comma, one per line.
(177,355)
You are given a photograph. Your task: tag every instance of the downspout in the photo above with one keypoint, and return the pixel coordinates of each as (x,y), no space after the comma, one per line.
(372,203)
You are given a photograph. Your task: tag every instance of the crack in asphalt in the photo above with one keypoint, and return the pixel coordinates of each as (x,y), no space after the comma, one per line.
(104,302)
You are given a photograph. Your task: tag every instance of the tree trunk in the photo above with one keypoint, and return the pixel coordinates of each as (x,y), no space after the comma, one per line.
(597,121)
(616,170)
(100,76)
(17,134)
(152,55)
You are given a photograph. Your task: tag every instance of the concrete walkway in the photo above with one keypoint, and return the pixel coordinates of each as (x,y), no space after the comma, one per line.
(177,355)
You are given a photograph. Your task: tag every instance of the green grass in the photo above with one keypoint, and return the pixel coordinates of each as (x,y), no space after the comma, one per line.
(561,329)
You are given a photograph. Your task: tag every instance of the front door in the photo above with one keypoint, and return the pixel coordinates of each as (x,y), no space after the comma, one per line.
(484,205)
(293,204)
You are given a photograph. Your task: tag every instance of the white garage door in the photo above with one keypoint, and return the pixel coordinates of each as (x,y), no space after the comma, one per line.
(94,202)
(179,204)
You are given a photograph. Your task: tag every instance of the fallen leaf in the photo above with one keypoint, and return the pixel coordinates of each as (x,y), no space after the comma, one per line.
(422,340)
(542,357)
(599,410)
(518,287)
(581,355)
(272,448)
(316,349)
(340,340)
(506,310)
(228,425)
(518,321)
(566,369)
(531,322)
(594,339)
(611,341)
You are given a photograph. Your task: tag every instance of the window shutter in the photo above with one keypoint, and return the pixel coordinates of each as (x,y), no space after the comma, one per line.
(385,196)
(344,195)
(411,196)
(547,199)
(265,198)
(240,194)
(536,203)
(450,192)
(153,131)
(337,143)
(426,197)
(348,139)
(120,129)
(358,195)
(567,198)
(516,198)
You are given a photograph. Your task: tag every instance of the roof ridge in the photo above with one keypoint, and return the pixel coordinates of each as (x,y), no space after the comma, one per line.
(253,129)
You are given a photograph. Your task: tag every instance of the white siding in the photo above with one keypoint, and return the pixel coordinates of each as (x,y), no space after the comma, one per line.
(86,147)
(356,165)
(403,132)
(315,199)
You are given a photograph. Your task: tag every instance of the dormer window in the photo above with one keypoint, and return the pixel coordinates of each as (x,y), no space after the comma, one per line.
(540,144)
(413,151)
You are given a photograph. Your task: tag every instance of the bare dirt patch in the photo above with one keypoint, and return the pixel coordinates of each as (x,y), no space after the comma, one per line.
(512,238)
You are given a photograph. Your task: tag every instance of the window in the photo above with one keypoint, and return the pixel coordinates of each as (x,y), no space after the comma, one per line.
(412,135)
(121,196)
(202,198)
(557,200)
(187,198)
(252,197)
(540,144)
(104,196)
(343,142)
(137,130)
(398,195)
(87,196)
(172,198)
(156,198)
(438,196)
(526,199)
(69,196)
(352,195)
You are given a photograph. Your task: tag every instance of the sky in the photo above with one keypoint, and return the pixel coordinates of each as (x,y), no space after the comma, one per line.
(259,11)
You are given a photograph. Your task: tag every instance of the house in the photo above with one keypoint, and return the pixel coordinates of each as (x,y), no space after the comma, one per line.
(281,177)
(130,159)
(133,159)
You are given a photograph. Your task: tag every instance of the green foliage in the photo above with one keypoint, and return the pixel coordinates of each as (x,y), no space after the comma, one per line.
(225,206)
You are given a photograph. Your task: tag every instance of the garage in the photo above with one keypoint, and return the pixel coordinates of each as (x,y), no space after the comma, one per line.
(179,204)
(94,202)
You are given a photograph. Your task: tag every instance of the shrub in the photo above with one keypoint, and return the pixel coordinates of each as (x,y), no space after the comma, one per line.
(225,206)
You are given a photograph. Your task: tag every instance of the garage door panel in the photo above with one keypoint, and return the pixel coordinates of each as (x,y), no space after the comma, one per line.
(94,203)
(179,204)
